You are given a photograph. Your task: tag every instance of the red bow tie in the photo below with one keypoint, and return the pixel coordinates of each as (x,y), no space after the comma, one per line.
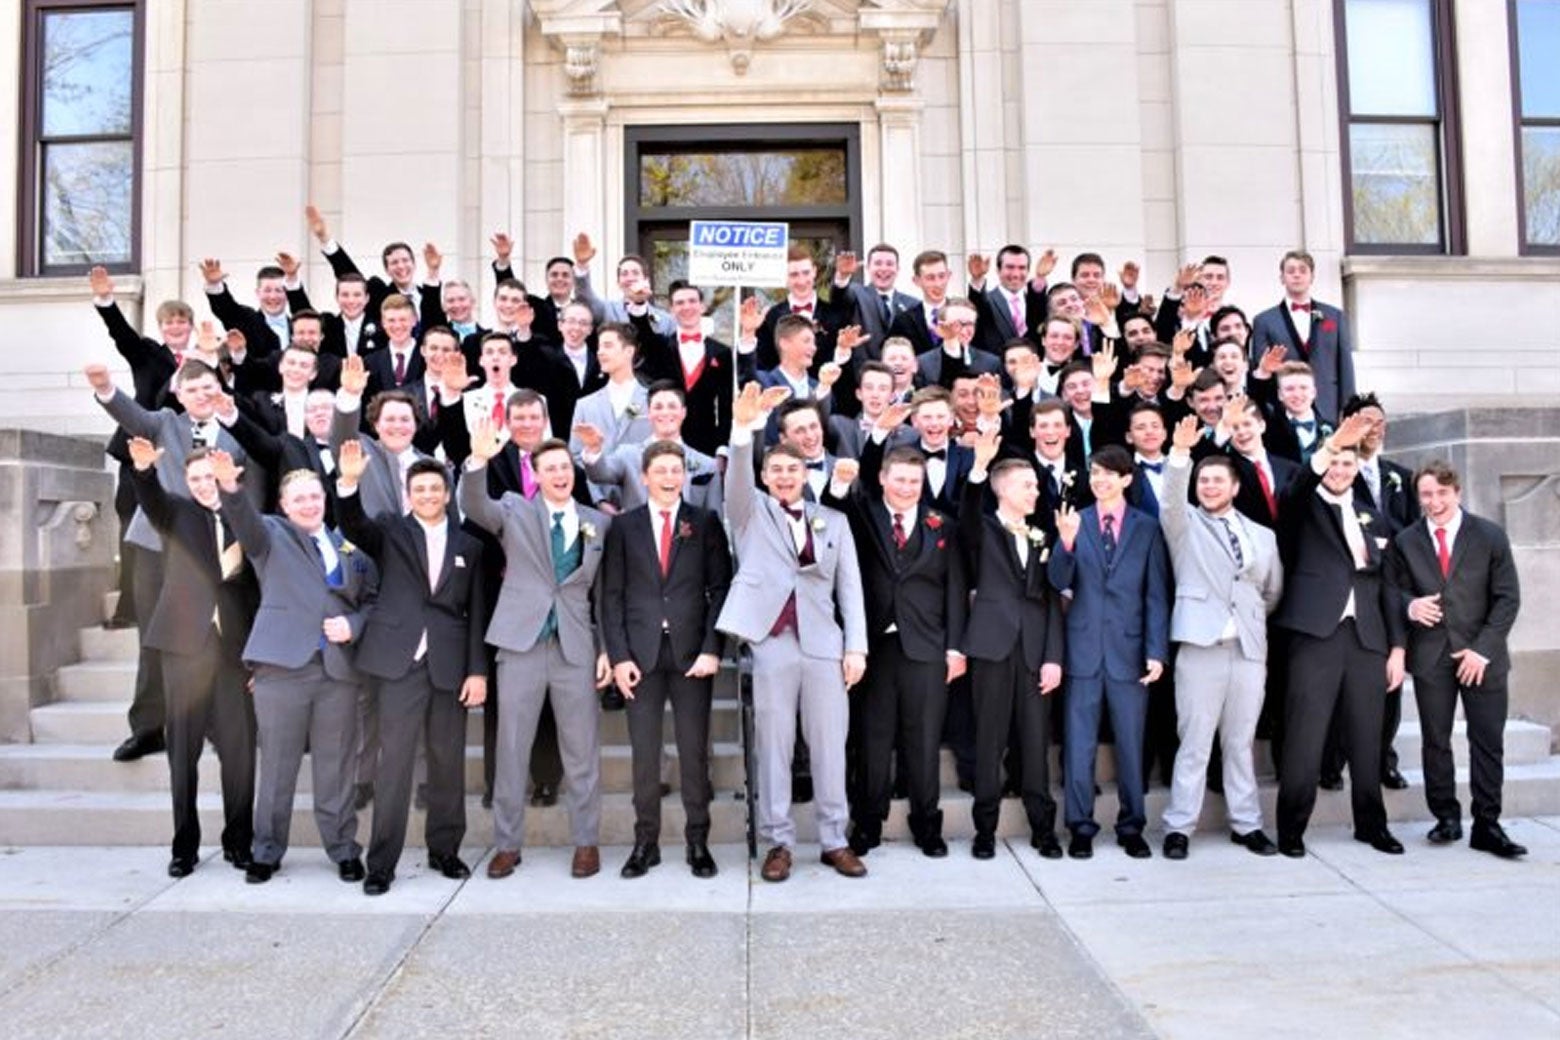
(802,308)
(689,337)
(1299,306)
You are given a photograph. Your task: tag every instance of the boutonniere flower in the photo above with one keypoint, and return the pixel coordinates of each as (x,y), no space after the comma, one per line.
(715,362)
(1036,536)
(941,544)
(1396,480)
(369,328)
(1363,518)
(1068,477)
(633,411)
(684,530)
(587,530)
(1328,325)
(1045,554)
(934,522)
(818,523)
(346,548)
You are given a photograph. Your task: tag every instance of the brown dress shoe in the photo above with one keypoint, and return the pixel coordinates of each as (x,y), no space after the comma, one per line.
(587,861)
(503,863)
(845,862)
(777,865)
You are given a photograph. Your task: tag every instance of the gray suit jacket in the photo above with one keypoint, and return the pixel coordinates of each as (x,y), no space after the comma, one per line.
(867,312)
(530,589)
(295,599)
(768,571)
(620,468)
(170,431)
(596,409)
(1208,588)
(1329,350)
(850,438)
(381,483)
(617,310)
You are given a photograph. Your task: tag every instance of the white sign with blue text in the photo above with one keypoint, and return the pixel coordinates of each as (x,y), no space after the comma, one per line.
(736,252)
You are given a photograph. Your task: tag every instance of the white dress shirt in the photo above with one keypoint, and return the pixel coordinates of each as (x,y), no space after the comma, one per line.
(437,536)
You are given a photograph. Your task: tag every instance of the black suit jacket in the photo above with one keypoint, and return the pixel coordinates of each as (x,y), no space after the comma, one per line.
(1319,571)
(829,316)
(993,323)
(378,288)
(911,324)
(956,470)
(192,581)
(1479,598)
(454,614)
(277,453)
(921,590)
(1014,609)
(1250,502)
(639,604)
(561,384)
(152,366)
(333,329)
(707,426)
(1399,505)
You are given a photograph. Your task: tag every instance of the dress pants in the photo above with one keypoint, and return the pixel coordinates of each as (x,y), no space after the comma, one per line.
(1218,690)
(124,507)
(367,734)
(959,729)
(1162,726)
(206,695)
(526,680)
(690,700)
(902,703)
(1335,673)
(1391,718)
(546,765)
(294,707)
(786,681)
(1127,702)
(148,708)
(1007,700)
(411,707)
(1484,707)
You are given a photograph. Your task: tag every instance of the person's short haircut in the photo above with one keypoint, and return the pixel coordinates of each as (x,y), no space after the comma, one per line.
(1002,467)
(926,258)
(1224,312)
(883,247)
(1213,258)
(492,336)
(396,302)
(1227,341)
(1253,408)
(789,451)
(1012,249)
(658,449)
(1113,458)
(1087,258)
(931,395)
(1298,254)
(1440,471)
(197,454)
(798,251)
(1294,368)
(455,283)
(387,397)
(421,466)
(270,271)
(510,283)
(440,330)
(392,248)
(1146,406)
(1137,317)
(1154,350)
(904,455)
(309,352)
(1359,402)
(551,444)
(578,305)
(896,341)
(794,405)
(297,476)
(1071,369)
(680,285)
(869,367)
(633,258)
(525,397)
(1020,343)
(1077,330)
(1056,290)
(958,301)
(1206,380)
(168,310)
(1049,406)
(192,370)
(792,325)
(555,261)
(1216,461)
(624,332)
(351,278)
(666,386)
(306,314)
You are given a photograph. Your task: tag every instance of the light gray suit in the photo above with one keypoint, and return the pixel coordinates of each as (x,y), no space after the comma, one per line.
(559,668)
(797,666)
(596,409)
(617,310)
(1220,622)
(306,689)
(622,467)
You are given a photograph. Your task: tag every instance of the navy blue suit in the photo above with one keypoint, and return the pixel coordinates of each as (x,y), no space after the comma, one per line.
(1119,620)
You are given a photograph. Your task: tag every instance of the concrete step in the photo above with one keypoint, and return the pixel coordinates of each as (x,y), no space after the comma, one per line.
(81,722)
(96,681)
(54,817)
(1525,742)
(102,644)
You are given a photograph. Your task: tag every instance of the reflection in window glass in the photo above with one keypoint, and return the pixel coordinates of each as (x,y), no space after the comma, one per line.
(86,203)
(1541,184)
(87,73)
(799,177)
(1391,57)
(1538,42)
(1395,184)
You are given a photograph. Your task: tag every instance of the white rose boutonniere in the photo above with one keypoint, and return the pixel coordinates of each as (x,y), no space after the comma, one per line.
(818,523)
(346,548)
(587,530)
(1396,480)
(1363,518)
(1068,477)
(1036,536)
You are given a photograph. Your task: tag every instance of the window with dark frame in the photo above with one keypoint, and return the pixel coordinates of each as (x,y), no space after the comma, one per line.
(79,192)
(1535,79)
(1397,93)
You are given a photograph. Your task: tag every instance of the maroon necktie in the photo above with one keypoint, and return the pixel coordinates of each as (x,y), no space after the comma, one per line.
(899,531)
(400,369)
(666,541)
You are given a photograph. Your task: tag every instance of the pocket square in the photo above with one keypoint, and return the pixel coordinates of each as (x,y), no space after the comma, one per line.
(460,561)
(1381,543)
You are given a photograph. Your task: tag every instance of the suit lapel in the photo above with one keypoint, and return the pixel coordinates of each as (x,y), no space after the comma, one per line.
(1303,348)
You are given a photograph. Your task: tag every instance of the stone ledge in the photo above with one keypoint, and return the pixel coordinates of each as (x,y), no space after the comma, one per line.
(72,289)
(1451,268)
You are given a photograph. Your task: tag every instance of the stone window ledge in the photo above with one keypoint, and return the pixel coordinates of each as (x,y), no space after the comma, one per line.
(72,288)
(1452,268)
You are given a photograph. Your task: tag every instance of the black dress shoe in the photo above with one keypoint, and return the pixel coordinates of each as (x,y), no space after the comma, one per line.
(239,858)
(1445,832)
(1392,780)
(181,866)
(1491,838)
(1331,783)
(1135,846)
(863,841)
(1176,846)
(1046,844)
(139,746)
(1294,848)
(544,795)
(450,866)
(362,795)
(1081,846)
(377,883)
(1382,842)
(984,846)
(351,869)
(933,846)
(641,860)
(1255,841)
(259,873)
(701,861)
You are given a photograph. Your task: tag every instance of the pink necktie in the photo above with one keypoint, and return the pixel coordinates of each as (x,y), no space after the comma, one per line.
(1017,311)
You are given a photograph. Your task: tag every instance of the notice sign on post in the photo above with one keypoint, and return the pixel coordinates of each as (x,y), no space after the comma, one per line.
(735,252)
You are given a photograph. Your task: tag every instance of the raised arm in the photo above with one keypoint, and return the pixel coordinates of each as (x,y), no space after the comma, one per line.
(242,515)
(475,502)
(1178,475)
(354,522)
(121,407)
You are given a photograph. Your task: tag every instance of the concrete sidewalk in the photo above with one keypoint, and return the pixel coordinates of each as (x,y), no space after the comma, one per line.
(1345,943)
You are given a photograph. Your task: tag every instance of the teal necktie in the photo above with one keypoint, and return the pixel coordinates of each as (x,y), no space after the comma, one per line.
(564,563)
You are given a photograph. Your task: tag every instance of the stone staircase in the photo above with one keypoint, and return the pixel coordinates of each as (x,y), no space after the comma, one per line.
(64,789)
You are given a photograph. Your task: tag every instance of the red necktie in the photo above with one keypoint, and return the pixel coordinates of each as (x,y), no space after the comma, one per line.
(498,411)
(1267,489)
(899,531)
(400,369)
(1443,552)
(666,541)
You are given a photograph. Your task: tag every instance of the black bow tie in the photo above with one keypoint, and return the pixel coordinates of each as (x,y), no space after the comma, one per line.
(1153,467)
(935,453)
(1306,424)
(818,465)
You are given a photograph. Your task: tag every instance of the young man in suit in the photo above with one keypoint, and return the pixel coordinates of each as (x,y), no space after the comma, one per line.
(617,410)
(1053,457)
(572,370)
(874,393)
(1263,476)
(1112,559)
(399,263)
(631,274)
(316,594)
(1346,640)
(795,346)
(347,331)
(916,598)
(399,366)
(1295,427)
(797,573)
(700,364)
(430,583)
(1016,305)
(282,411)
(277,454)
(546,311)
(946,465)
(799,425)
(958,355)
(826,316)
(543,628)
(267,329)
(1459,581)
(1228,580)
(919,322)
(1013,639)
(1309,331)
(621,469)
(876,303)
(664,580)
(203,614)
